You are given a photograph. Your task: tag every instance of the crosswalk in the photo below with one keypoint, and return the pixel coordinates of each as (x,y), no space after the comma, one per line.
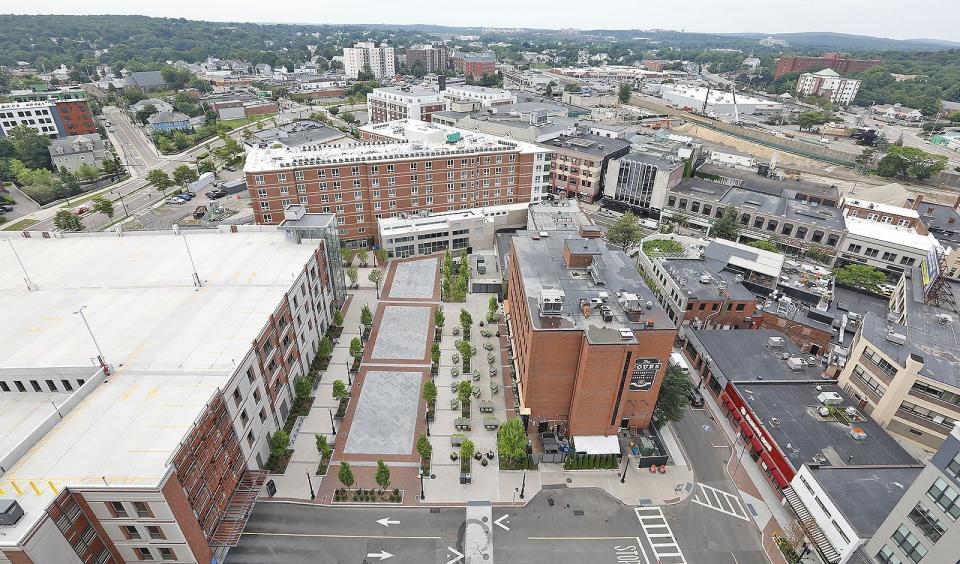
(721,501)
(659,535)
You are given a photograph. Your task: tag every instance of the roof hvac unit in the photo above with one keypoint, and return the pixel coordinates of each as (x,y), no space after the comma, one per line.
(796,363)
(551,302)
(775,342)
(830,398)
(10,512)
(898,338)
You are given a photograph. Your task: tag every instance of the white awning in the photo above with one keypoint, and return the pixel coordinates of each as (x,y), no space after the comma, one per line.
(597,444)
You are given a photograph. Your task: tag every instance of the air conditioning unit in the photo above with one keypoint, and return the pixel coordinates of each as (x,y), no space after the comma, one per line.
(830,398)
(898,338)
(775,342)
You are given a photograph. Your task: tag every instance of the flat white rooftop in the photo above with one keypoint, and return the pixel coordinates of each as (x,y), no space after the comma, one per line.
(881,208)
(409,139)
(171,345)
(890,234)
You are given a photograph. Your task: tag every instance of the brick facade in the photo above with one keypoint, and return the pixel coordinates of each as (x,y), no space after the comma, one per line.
(76,117)
(842,65)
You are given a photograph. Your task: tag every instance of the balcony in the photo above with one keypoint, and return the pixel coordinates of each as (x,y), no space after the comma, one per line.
(928,424)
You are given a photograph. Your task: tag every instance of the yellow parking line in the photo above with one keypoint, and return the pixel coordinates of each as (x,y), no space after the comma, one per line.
(16,487)
(53,487)
(36,490)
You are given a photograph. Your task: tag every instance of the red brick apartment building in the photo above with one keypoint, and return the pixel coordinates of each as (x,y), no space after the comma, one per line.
(154,463)
(402,167)
(833,61)
(590,342)
(76,117)
(475,65)
(389,104)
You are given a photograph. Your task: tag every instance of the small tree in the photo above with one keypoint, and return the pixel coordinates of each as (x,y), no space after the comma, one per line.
(383,475)
(352,274)
(356,348)
(366,316)
(726,227)
(466,320)
(362,256)
(345,475)
(464,391)
(466,351)
(381,255)
(303,387)
(64,220)
(347,255)
(424,447)
(325,348)
(492,307)
(625,232)
(159,179)
(103,205)
(672,401)
(279,443)
(859,276)
(512,441)
(430,393)
(339,390)
(466,450)
(624,92)
(764,245)
(438,317)
(338,319)
(435,353)
(323,447)
(183,175)
(375,275)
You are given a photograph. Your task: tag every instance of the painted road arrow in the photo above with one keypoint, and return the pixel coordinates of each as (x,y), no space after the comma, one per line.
(457,553)
(386,522)
(501,525)
(382,555)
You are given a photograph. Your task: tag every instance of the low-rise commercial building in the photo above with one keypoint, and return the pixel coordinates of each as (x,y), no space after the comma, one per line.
(590,344)
(580,164)
(296,134)
(943,221)
(893,249)
(50,118)
(73,152)
(902,367)
(718,102)
(147,396)
(640,181)
(830,85)
(413,102)
(403,166)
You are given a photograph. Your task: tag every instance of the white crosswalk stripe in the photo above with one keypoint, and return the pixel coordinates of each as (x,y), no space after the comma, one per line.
(658,533)
(721,501)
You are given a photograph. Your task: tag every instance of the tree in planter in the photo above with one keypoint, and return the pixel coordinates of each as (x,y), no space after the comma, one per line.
(338,319)
(339,390)
(302,387)
(324,449)
(362,256)
(356,349)
(366,316)
(424,447)
(625,232)
(859,276)
(345,475)
(383,475)
(430,393)
(439,318)
(381,255)
(279,443)
(347,255)
(353,274)
(375,275)
(672,401)
(464,392)
(466,320)
(466,352)
(492,307)
(103,206)
(466,453)
(512,441)
(435,354)
(325,348)
(64,220)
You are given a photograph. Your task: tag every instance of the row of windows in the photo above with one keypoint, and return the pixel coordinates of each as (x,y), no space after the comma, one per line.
(887,256)
(391,169)
(66,385)
(927,414)
(878,361)
(929,390)
(869,380)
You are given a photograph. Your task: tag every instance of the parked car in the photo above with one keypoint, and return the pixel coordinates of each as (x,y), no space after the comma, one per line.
(177,200)
(81,209)
(199,212)
(214,194)
(187,196)
(695,397)
(4,208)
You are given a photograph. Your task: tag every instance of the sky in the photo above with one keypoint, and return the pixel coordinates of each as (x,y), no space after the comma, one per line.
(899,19)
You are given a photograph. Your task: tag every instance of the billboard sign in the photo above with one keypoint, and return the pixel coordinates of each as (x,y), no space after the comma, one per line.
(930,269)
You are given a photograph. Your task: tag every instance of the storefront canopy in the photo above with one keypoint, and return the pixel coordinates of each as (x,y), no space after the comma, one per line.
(597,444)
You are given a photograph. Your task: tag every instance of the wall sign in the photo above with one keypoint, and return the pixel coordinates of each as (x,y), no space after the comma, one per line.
(644,373)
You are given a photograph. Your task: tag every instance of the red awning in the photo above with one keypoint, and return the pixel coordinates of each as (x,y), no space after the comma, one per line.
(768,460)
(723,397)
(736,414)
(756,444)
(747,431)
(779,479)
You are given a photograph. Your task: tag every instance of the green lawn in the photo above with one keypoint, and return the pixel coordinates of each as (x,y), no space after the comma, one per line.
(73,202)
(240,122)
(662,246)
(20,225)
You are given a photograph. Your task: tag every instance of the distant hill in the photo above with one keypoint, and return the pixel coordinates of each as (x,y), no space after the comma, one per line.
(853,43)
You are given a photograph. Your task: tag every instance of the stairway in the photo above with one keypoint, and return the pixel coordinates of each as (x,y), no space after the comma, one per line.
(810,525)
(238,509)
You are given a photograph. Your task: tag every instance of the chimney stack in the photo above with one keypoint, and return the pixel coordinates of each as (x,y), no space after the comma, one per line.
(917,201)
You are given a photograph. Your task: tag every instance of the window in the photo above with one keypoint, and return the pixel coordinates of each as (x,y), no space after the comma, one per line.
(909,543)
(932,528)
(143,553)
(142,509)
(886,556)
(945,497)
(237,398)
(117,509)
(131,532)
(36,385)
(166,553)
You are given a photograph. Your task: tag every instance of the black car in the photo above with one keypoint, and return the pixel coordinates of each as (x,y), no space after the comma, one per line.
(695,397)
(218,193)
(4,208)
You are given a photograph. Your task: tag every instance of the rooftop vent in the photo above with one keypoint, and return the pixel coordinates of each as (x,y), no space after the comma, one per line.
(626,334)
(10,512)
(551,302)
(898,338)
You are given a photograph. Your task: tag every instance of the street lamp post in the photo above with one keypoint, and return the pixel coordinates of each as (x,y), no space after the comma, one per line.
(333,426)
(422,494)
(313,494)
(426,416)
(626,464)
(95,343)
(523,484)
(740,456)
(349,381)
